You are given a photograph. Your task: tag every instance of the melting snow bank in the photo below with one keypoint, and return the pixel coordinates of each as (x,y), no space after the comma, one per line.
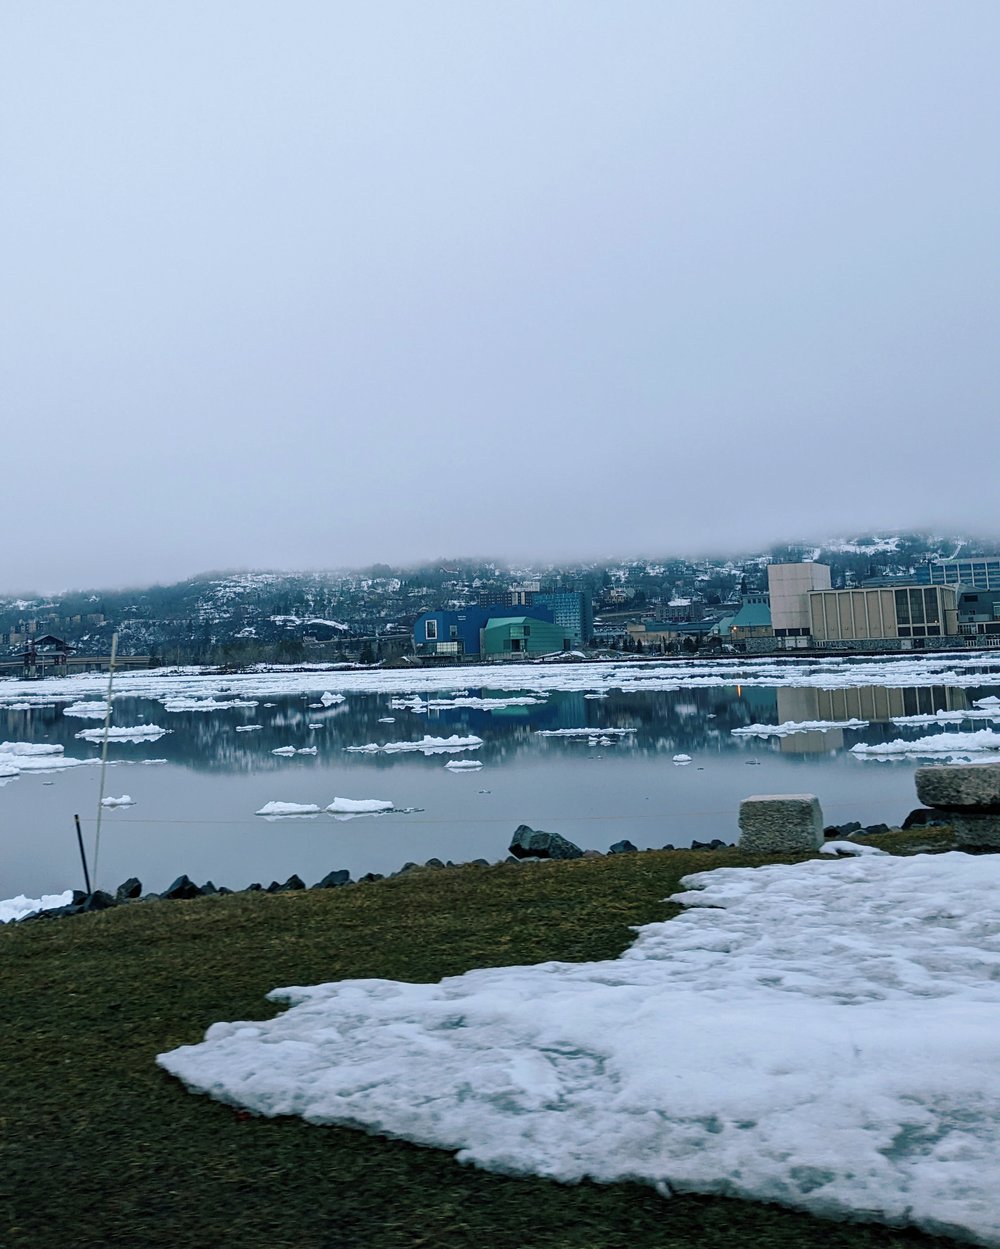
(427,745)
(820,1035)
(17,908)
(797,726)
(937,743)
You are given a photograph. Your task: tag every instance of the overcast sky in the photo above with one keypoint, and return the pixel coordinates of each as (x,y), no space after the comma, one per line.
(315,284)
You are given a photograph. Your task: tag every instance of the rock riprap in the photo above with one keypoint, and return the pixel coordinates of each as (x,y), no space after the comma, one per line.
(534,843)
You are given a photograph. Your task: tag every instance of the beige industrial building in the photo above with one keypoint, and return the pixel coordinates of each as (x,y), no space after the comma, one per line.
(904,617)
(789,586)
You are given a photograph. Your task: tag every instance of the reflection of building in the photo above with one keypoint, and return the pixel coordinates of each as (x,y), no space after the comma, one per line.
(874,703)
(889,619)
(802,706)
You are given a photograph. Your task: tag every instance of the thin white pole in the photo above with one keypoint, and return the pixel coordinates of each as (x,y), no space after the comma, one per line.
(104,753)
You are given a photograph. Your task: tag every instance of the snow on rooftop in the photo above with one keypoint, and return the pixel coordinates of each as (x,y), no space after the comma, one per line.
(821,1035)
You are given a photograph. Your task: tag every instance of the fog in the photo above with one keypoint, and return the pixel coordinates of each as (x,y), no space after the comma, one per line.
(318,285)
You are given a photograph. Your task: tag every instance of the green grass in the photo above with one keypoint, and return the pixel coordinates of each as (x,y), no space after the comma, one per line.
(99,1146)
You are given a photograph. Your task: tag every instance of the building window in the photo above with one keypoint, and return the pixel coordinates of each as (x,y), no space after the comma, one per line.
(453,632)
(431,630)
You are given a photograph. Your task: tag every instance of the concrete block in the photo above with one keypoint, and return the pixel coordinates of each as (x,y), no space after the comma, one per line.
(780,823)
(977,830)
(958,785)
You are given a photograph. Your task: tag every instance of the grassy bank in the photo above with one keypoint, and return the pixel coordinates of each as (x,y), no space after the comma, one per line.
(97,1145)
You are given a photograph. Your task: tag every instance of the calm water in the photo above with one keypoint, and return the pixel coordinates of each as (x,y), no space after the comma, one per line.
(194,812)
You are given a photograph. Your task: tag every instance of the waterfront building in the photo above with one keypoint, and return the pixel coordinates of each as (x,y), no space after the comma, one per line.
(978,573)
(884,618)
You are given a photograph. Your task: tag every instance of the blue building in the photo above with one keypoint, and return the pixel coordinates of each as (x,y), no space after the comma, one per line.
(571,609)
(979,573)
(457,633)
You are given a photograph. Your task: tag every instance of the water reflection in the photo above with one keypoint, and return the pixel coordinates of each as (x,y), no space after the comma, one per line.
(196,814)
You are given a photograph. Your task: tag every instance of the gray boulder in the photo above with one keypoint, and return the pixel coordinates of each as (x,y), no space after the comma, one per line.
(530,843)
(333,880)
(183,887)
(129,889)
(953,786)
(623,847)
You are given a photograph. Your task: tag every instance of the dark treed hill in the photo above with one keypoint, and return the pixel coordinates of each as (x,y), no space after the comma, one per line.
(247,617)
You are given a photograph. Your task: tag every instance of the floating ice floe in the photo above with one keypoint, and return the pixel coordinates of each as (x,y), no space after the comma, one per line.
(17,908)
(594,733)
(204,704)
(25,749)
(843,1012)
(387,719)
(292,750)
(281,809)
(18,757)
(796,726)
(87,710)
(682,759)
(603,694)
(131,733)
(328,699)
(358,806)
(126,800)
(427,745)
(936,744)
(464,765)
(419,705)
(949,717)
(958,669)
(248,728)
